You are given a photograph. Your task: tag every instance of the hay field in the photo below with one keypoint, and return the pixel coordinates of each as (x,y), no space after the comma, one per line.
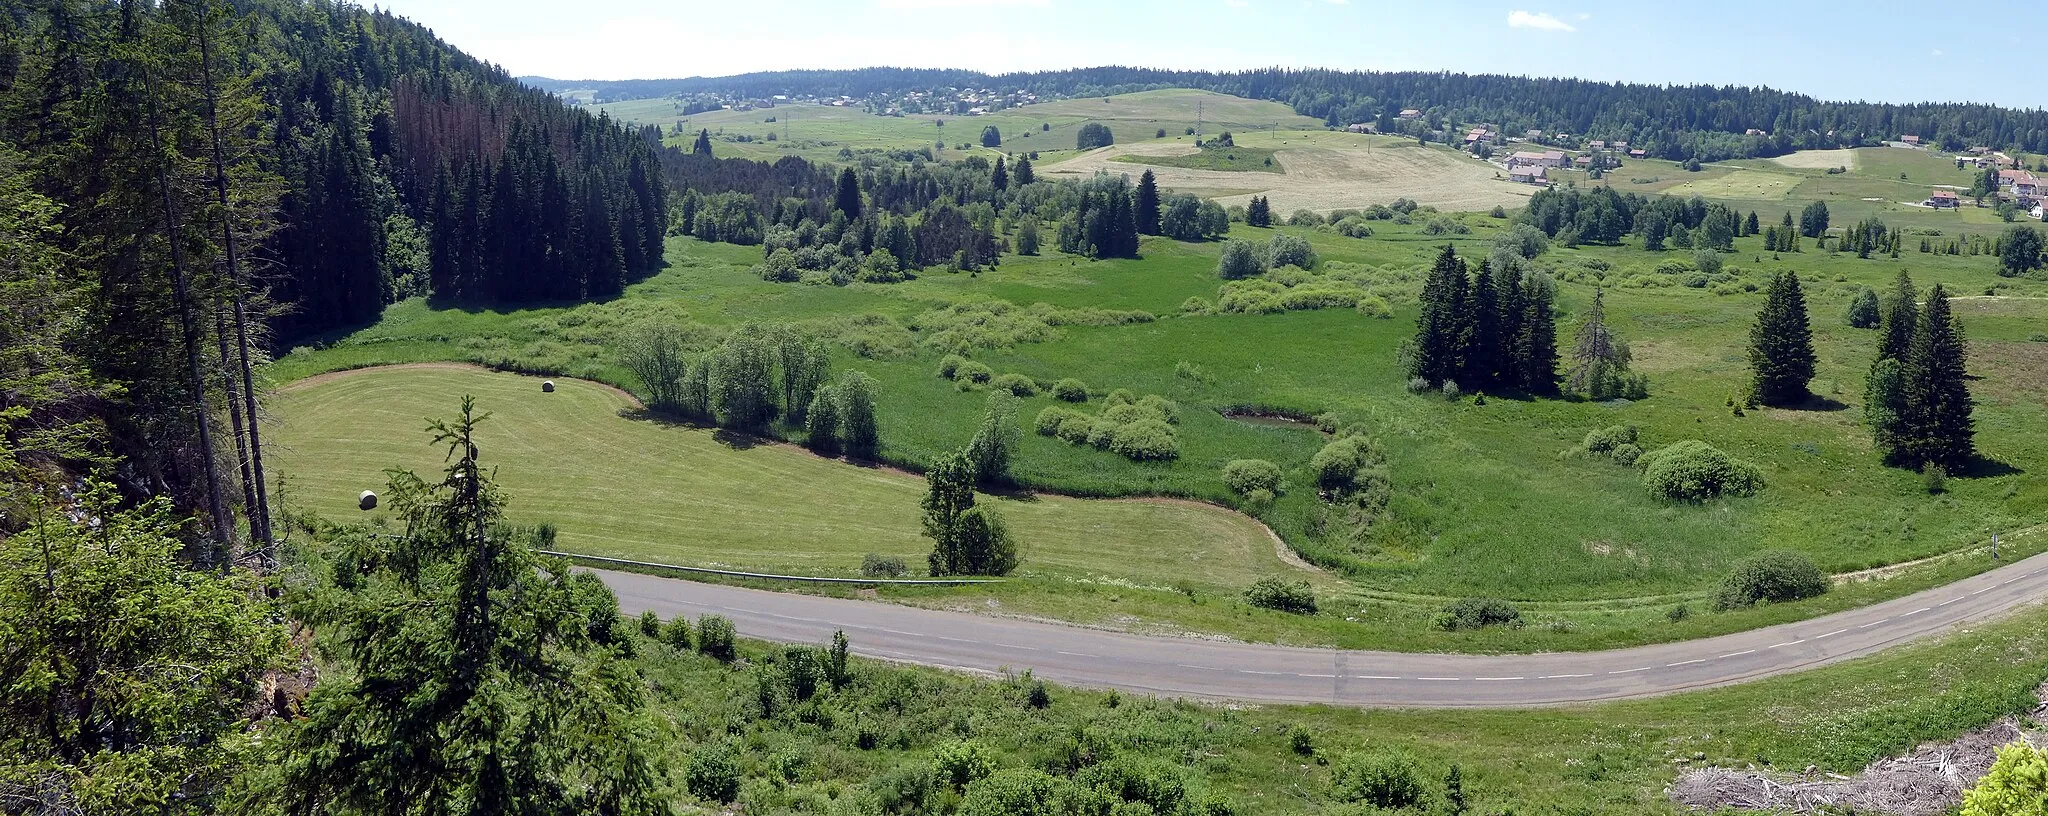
(1819,159)
(1746,185)
(635,488)
(1324,171)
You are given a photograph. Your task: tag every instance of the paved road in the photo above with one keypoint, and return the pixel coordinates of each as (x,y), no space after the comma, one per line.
(1198,668)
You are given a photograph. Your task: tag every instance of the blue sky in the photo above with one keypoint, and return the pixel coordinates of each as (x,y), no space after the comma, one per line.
(1886,51)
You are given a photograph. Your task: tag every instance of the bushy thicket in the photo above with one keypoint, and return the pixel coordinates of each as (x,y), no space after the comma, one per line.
(1286,596)
(1773,576)
(1695,471)
(1619,443)
(1479,613)
(1243,476)
(1138,429)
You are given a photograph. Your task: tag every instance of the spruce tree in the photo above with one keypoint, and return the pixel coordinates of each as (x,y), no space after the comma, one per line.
(1485,354)
(1781,345)
(1022,171)
(1885,411)
(1595,353)
(1938,429)
(703,145)
(1258,213)
(1000,177)
(1535,355)
(848,198)
(1898,319)
(1148,204)
(1443,324)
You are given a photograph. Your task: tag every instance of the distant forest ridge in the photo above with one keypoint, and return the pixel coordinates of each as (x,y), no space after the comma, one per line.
(1676,122)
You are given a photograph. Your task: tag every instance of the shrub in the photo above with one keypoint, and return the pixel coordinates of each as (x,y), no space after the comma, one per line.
(1383,779)
(1934,477)
(1444,225)
(1053,418)
(1016,384)
(1305,218)
(949,366)
(1451,391)
(650,624)
(1626,453)
(1707,261)
(1247,475)
(1145,439)
(1121,396)
(1696,471)
(1286,596)
(1604,441)
(1336,466)
(1070,390)
(1521,239)
(1300,740)
(713,774)
(1161,407)
(1774,576)
(1417,385)
(905,788)
(961,762)
(1863,309)
(1354,227)
(676,633)
(1240,260)
(1479,613)
(1012,792)
(876,565)
(1291,250)
(1678,613)
(715,637)
(971,371)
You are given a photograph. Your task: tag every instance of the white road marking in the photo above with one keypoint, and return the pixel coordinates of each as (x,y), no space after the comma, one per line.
(1371,677)
(1981,591)
(1317,675)
(1685,662)
(1439,679)
(1830,634)
(1630,671)
(1947,602)
(1788,643)
(1076,654)
(1736,654)
(1916,611)
(1562,676)
(1254,671)
(1873,623)
(1500,678)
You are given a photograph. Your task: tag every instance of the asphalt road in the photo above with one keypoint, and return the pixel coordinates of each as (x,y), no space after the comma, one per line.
(1187,667)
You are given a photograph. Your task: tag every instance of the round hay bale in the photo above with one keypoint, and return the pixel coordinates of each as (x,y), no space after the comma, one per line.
(367,501)
(547,386)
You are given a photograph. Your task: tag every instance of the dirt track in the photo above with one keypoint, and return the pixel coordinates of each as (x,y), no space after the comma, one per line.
(1321,178)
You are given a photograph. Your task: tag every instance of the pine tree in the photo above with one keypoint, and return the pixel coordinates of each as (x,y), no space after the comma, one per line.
(1749,225)
(1535,356)
(1258,213)
(1486,351)
(1596,355)
(1000,177)
(1443,325)
(1899,318)
(1938,429)
(1781,355)
(848,199)
(1023,171)
(702,147)
(1148,204)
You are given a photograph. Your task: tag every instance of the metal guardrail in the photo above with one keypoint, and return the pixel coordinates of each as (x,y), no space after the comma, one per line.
(766,576)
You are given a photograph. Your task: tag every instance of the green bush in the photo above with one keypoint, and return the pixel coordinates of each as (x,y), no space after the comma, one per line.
(1054,418)
(1695,471)
(1605,440)
(1145,439)
(1774,576)
(650,624)
(1070,390)
(1336,466)
(1291,250)
(1240,260)
(1382,779)
(676,633)
(713,774)
(1246,475)
(961,762)
(715,637)
(905,788)
(876,565)
(1300,740)
(1286,596)
(1013,792)
(949,366)
(1121,396)
(971,371)
(1016,384)
(1479,613)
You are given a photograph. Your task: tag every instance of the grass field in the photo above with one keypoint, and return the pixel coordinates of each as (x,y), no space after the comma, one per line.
(637,488)
(1239,159)
(1483,503)
(821,131)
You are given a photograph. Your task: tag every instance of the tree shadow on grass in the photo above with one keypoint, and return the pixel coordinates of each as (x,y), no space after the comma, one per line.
(736,440)
(662,418)
(1984,467)
(1816,403)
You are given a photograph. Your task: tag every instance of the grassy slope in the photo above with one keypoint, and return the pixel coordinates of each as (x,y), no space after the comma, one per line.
(1483,503)
(627,487)
(1239,159)
(1585,760)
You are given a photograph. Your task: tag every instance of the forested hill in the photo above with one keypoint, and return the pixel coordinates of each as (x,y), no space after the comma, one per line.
(1703,121)
(190,180)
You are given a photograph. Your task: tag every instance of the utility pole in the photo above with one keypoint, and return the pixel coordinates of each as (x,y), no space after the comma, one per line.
(1198,123)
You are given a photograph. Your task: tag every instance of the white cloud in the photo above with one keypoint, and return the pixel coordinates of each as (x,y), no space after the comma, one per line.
(1936,52)
(1583,16)
(1538,20)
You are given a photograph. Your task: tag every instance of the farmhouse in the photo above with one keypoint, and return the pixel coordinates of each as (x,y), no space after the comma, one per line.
(1528,174)
(1597,144)
(1410,113)
(1943,200)
(2019,184)
(1547,158)
(1910,139)
(1638,154)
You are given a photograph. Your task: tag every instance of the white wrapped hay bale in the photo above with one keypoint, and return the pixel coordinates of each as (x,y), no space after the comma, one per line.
(367,501)
(547,386)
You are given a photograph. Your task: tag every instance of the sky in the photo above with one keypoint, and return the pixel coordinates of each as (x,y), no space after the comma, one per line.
(1878,51)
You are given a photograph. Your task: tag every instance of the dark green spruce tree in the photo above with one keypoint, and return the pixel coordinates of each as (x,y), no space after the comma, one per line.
(848,198)
(1148,204)
(702,146)
(1781,356)
(1444,323)
(1535,352)
(1938,429)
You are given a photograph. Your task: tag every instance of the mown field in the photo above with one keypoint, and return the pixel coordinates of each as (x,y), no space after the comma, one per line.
(1483,502)
(819,132)
(1605,760)
(618,483)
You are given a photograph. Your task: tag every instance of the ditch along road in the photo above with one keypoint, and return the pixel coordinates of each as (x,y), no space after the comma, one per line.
(1193,667)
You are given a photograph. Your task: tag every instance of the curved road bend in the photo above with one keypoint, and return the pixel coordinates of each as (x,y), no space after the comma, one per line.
(1189,667)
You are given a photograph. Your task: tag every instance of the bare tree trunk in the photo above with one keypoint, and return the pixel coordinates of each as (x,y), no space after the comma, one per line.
(252,462)
(227,384)
(221,523)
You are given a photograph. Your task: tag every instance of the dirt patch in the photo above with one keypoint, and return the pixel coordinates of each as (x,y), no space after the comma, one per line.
(1818,159)
(1323,177)
(1928,781)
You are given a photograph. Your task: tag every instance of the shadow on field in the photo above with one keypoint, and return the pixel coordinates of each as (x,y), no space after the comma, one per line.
(1819,403)
(662,418)
(1984,467)
(737,440)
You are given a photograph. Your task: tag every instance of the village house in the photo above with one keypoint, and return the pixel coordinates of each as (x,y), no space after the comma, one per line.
(1410,113)
(1943,200)
(1597,144)
(1547,158)
(1360,127)
(2020,184)
(1528,174)
(1910,139)
(1639,154)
